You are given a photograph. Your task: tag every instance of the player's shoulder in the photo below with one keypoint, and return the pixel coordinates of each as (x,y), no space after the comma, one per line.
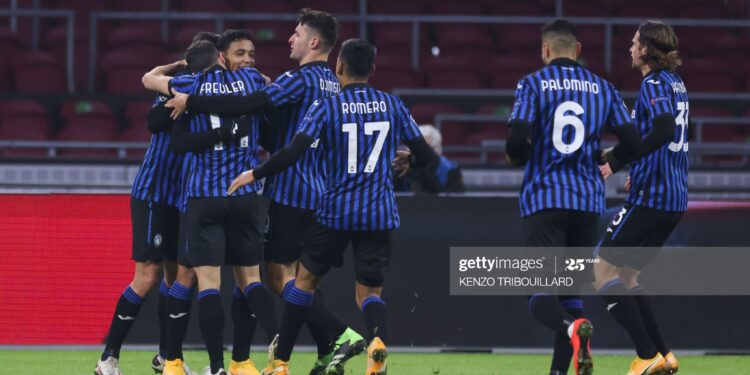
(661,82)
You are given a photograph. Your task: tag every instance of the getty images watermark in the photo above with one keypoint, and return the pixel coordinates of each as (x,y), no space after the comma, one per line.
(524,271)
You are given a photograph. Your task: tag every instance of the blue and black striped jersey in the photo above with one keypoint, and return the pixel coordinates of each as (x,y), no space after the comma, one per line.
(213,170)
(567,107)
(358,132)
(659,180)
(158,178)
(292,93)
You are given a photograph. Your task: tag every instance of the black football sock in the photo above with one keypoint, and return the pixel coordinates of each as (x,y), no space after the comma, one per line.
(261,302)
(548,311)
(649,320)
(624,309)
(297,304)
(125,313)
(244,326)
(162,312)
(563,351)
(211,322)
(375,312)
(328,326)
(178,312)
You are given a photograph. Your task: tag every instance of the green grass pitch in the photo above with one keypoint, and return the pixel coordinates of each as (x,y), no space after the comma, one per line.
(32,362)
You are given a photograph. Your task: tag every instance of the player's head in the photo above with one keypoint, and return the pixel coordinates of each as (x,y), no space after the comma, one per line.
(655,46)
(433,137)
(201,55)
(316,34)
(207,36)
(237,49)
(559,39)
(356,60)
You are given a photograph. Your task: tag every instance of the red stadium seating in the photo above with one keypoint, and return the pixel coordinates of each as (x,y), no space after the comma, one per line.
(89,114)
(522,8)
(21,118)
(465,36)
(587,8)
(456,79)
(396,7)
(387,79)
(390,36)
(276,31)
(466,7)
(87,121)
(136,113)
(219,6)
(712,82)
(5,81)
(88,134)
(337,6)
(271,6)
(136,134)
(640,9)
(454,133)
(123,70)
(143,38)
(9,42)
(39,72)
(138,5)
(424,113)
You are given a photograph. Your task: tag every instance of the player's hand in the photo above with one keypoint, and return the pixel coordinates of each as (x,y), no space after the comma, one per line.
(178,105)
(627,184)
(401,163)
(267,78)
(606,171)
(243,179)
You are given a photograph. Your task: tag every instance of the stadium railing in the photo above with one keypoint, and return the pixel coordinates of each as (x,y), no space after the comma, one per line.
(69,15)
(698,149)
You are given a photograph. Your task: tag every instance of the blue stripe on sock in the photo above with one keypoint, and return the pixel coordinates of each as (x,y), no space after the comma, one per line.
(299,297)
(208,292)
(372,299)
(570,304)
(252,286)
(609,284)
(164,288)
(237,293)
(598,247)
(180,291)
(288,286)
(132,296)
(533,297)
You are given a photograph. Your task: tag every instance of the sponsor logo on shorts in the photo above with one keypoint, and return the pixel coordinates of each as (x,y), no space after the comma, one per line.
(157,240)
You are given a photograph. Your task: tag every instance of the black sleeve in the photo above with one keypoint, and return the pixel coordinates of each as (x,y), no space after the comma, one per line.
(229,105)
(421,153)
(285,157)
(158,119)
(456,181)
(183,140)
(517,145)
(661,134)
(628,141)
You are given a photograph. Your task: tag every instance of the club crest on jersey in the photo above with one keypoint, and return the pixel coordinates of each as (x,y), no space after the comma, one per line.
(157,240)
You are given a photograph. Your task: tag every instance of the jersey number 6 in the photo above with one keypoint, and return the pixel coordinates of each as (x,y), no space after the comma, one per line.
(562,119)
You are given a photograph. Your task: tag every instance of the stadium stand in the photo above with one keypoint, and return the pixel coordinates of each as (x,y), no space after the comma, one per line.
(449,55)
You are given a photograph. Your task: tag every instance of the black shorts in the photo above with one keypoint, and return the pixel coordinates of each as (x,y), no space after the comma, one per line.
(224,231)
(287,227)
(154,231)
(182,241)
(573,230)
(636,234)
(324,248)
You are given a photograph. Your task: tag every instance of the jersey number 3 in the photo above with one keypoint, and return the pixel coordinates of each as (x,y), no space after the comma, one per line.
(563,119)
(682,121)
(381,127)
